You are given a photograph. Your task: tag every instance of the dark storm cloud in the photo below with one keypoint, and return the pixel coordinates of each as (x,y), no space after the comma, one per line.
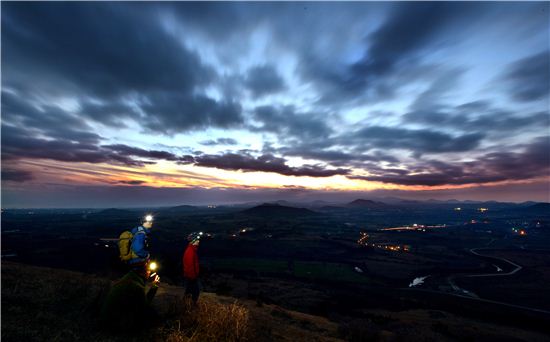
(219,141)
(436,93)
(173,113)
(430,179)
(367,145)
(286,122)
(532,162)
(139,152)
(18,143)
(409,29)
(14,175)
(110,113)
(132,182)
(106,48)
(264,163)
(419,140)
(111,51)
(337,158)
(264,80)
(325,155)
(430,110)
(47,120)
(477,116)
(218,20)
(51,133)
(529,78)
(495,121)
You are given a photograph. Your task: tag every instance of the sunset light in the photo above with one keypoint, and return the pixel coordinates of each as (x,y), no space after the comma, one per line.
(256,103)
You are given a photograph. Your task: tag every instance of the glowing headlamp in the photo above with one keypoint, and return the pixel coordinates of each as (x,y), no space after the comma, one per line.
(153,266)
(149,218)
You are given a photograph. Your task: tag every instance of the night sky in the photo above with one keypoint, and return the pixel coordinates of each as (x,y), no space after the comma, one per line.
(129,104)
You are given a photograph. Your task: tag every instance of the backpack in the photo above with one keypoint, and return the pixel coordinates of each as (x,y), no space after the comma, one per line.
(125,245)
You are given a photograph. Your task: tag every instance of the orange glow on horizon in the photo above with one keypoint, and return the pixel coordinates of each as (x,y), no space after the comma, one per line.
(169,174)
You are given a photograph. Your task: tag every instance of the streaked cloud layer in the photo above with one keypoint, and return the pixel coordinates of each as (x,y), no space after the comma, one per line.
(334,97)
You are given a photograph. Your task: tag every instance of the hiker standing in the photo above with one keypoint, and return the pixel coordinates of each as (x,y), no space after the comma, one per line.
(134,245)
(191,266)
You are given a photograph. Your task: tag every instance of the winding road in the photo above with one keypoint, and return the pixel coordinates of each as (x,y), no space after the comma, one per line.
(460,292)
(474,251)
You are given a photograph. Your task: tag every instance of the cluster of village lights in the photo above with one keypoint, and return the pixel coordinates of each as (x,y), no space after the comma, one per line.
(394,248)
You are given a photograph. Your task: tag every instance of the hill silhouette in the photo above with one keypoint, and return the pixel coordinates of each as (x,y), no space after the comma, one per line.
(538,208)
(181,209)
(332,208)
(114,212)
(363,203)
(276,210)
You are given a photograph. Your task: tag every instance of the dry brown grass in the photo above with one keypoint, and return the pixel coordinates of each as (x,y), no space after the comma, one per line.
(207,321)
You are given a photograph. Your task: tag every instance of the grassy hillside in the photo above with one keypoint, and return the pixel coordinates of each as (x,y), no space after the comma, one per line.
(43,304)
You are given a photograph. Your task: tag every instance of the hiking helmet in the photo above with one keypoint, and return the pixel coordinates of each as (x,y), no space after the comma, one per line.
(194,237)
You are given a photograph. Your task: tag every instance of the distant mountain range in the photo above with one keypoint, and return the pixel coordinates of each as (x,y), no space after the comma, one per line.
(181,209)
(115,212)
(363,203)
(537,208)
(308,207)
(396,203)
(357,204)
(273,210)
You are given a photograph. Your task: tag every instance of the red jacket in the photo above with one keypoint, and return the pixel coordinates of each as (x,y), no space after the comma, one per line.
(191,262)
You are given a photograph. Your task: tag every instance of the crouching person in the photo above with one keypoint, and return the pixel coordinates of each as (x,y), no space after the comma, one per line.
(127,308)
